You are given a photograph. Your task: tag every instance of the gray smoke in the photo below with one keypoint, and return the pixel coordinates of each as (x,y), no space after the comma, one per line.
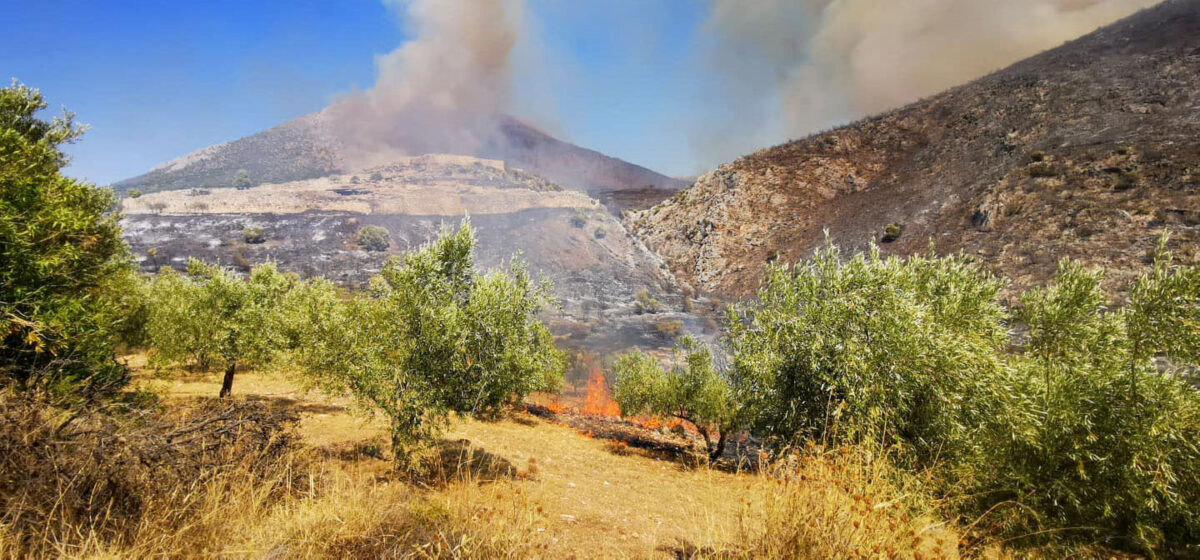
(442,91)
(821,62)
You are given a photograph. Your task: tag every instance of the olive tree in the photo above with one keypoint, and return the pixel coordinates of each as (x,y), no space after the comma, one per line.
(65,276)
(892,349)
(434,336)
(693,389)
(1095,426)
(211,314)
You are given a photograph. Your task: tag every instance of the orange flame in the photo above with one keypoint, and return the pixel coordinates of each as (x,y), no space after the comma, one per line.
(598,401)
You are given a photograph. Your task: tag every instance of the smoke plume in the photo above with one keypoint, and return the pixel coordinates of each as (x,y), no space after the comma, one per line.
(821,62)
(442,91)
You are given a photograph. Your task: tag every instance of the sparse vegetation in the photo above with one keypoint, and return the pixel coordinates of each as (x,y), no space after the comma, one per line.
(892,232)
(578,219)
(133,193)
(253,234)
(669,329)
(377,176)
(242,181)
(1042,170)
(645,303)
(373,238)
(600,233)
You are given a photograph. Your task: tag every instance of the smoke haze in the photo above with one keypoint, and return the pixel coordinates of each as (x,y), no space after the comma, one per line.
(442,91)
(772,69)
(820,62)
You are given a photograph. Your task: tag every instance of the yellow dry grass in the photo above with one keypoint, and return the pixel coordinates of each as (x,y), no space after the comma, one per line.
(569,496)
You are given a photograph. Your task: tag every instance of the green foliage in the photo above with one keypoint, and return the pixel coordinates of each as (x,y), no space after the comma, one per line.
(210,314)
(134,193)
(63,266)
(253,234)
(1090,430)
(241,180)
(578,219)
(887,348)
(600,233)
(373,238)
(693,389)
(1083,419)
(435,336)
(644,303)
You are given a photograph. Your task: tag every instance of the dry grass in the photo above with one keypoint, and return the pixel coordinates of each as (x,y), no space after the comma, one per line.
(519,488)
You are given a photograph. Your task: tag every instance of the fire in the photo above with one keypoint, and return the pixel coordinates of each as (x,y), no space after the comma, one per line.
(598,400)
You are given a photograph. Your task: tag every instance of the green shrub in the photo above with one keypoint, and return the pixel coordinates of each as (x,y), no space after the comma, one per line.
(373,238)
(1037,157)
(134,193)
(1082,429)
(600,233)
(644,303)
(253,234)
(577,219)
(692,390)
(66,283)
(869,347)
(241,180)
(892,232)
(1087,430)
(377,176)
(434,337)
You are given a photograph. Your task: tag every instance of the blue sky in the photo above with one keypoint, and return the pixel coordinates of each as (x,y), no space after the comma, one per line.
(158,79)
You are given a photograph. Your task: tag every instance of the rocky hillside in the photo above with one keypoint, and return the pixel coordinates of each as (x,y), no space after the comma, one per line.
(309,147)
(1090,150)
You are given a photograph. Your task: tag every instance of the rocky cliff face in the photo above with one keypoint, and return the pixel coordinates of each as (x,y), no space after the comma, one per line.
(1091,150)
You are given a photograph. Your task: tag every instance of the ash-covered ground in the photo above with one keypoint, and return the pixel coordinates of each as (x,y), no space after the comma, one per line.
(596,267)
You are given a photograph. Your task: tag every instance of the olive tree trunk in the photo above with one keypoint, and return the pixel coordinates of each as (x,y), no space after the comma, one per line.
(227,383)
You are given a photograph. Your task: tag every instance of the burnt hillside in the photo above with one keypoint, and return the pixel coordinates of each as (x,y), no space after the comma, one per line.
(1090,150)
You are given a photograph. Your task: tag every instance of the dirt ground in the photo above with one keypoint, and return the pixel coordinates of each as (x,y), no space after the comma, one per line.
(594,498)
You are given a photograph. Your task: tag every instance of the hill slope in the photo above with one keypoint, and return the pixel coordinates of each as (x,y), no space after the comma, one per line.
(309,147)
(309,227)
(1090,150)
